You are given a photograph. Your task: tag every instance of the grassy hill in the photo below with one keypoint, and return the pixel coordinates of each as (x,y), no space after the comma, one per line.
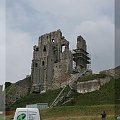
(77,113)
(91,77)
(86,106)
(106,95)
(32,98)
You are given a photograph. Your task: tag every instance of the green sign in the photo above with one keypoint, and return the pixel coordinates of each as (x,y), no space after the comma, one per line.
(21,116)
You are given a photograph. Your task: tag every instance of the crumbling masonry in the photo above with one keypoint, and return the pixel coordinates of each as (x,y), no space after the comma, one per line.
(53,62)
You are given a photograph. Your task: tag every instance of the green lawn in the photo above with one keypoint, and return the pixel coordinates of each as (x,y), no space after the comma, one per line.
(86,106)
(106,95)
(77,113)
(2,117)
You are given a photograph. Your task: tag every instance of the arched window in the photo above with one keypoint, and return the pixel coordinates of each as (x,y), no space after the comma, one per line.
(36,64)
(44,49)
(43,63)
(53,40)
(63,49)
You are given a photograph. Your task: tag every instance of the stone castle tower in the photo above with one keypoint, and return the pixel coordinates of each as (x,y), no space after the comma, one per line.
(80,55)
(53,61)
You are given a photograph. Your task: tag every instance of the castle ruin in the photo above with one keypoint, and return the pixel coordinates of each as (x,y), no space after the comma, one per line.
(53,62)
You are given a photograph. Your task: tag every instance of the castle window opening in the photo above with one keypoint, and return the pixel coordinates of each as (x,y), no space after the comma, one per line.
(63,48)
(36,64)
(37,49)
(43,63)
(44,49)
(53,40)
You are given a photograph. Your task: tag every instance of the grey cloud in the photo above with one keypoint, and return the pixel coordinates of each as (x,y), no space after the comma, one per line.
(100,40)
(117,32)
(2,42)
(117,47)
(19,55)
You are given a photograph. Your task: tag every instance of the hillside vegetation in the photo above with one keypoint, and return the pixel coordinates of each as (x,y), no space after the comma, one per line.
(106,95)
(86,106)
(91,77)
(32,98)
(76,113)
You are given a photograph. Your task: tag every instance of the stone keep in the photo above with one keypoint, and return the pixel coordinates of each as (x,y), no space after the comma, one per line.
(52,62)
(80,55)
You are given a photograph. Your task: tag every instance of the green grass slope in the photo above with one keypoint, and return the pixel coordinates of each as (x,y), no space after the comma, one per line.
(86,106)
(78,112)
(47,97)
(106,95)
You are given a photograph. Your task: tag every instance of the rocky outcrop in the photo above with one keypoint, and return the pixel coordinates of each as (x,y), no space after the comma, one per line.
(115,73)
(18,90)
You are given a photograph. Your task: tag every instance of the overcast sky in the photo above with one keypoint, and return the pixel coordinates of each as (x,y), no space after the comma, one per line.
(26,20)
(117,32)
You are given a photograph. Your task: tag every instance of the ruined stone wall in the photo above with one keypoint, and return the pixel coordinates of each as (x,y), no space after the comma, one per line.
(51,63)
(89,86)
(81,43)
(80,55)
(63,69)
(92,85)
(110,72)
(115,73)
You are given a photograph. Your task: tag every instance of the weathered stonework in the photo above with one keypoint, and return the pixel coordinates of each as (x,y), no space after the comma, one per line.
(52,62)
(115,73)
(91,85)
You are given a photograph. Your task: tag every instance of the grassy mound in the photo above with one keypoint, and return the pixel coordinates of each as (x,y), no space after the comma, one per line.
(106,95)
(33,98)
(78,112)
